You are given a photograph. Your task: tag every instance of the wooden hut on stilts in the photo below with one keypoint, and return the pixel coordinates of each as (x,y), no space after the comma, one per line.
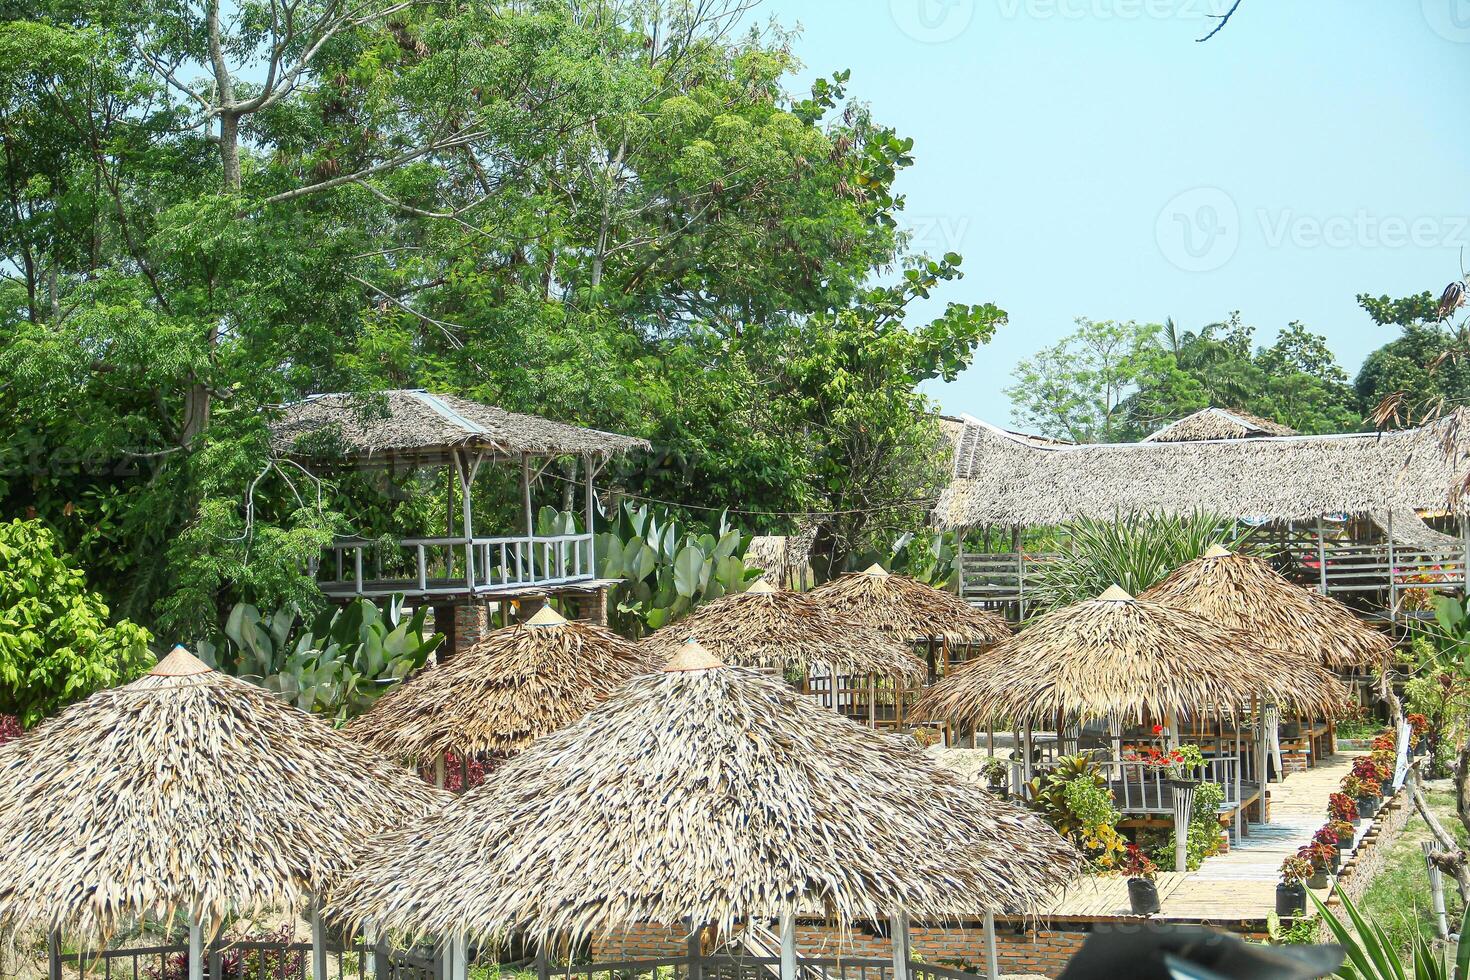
(709,799)
(184,791)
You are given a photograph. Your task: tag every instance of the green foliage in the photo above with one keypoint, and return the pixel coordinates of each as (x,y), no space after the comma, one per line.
(1133,552)
(56,644)
(1301,932)
(1372,954)
(928,556)
(1116,382)
(1207,799)
(625,221)
(337,665)
(667,568)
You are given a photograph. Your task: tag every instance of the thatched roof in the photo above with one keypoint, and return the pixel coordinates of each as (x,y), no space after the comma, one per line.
(1246,594)
(769,627)
(1002,479)
(512,687)
(909,609)
(1117,655)
(185,789)
(706,793)
(416,425)
(1219,423)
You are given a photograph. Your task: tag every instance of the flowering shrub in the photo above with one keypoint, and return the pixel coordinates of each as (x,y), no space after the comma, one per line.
(926,737)
(1383,763)
(241,964)
(1342,830)
(1318,853)
(1365,768)
(1385,742)
(1326,835)
(10,729)
(1295,870)
(1369,789)
(1136,864)
(1342,807)
(1181,762)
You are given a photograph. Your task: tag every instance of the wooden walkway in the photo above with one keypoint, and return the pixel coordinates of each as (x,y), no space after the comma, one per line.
(1236,887)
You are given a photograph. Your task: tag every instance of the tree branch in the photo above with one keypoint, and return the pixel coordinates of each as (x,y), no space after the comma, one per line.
(1223,19)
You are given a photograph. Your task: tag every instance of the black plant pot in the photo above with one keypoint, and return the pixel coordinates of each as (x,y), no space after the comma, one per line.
(1336,862)
(1368,807)
(1291,900)
(1319,877)
(1143,896)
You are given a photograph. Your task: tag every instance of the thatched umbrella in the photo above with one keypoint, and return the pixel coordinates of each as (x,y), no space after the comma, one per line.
(186,789)
(1119,657)
(909,609)
(1245,593)
(515,685)
(707,794)
(769,627)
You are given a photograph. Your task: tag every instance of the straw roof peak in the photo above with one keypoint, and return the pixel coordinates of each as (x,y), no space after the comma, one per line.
(1245,593)
(546,616)
(179,663)
(1097,659)
(1115,593)
(876,570)
(761,587)
(185,788)
(1217,551)
(707,796)
(777,628)
(905,608)
(692,656)
(513,686)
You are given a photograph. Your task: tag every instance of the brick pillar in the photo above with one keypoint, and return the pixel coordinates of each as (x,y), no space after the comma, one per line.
(471,623)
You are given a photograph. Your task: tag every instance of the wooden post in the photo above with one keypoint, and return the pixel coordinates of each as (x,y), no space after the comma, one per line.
(1236,764)
(1183,808)
(1026,761)
(1272,712)
(1436,889)
(898,936)
(459,957)
(439,770)
(588,511)
(1171,732)
(1393,611)
(992,953)
(318,944)
(788,942)
(1115,736)
(1321,557)
(381,967)
(53,955)
(696,954)
(1020,574)
(196,946)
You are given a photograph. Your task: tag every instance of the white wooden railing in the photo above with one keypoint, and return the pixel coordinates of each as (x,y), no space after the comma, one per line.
(454,566)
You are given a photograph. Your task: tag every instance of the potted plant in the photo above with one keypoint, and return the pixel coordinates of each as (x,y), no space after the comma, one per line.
(995,772)
(1327,837)
(1184,764)
(1370,796)
(1320,856)
(1418,725)
(1291,893)
(1384,761)
(1143,894)
(1342,831)
(1341,806)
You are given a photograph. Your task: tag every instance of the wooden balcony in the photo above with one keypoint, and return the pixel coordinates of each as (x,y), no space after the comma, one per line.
(456,568)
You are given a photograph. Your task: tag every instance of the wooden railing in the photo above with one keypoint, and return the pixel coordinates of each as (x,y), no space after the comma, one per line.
(450,566)
(228,959)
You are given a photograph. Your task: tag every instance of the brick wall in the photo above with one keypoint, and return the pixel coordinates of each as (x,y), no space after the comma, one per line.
(1034,951)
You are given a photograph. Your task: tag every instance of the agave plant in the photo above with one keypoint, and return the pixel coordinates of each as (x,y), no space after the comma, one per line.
(1133,552)
(1372,955)
(337,665)
(666,567)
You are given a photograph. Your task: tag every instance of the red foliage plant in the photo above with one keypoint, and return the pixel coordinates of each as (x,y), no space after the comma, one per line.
(1340,806)
(1137,864)
(10,729)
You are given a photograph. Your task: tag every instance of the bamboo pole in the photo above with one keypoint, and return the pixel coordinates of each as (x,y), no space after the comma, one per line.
(992,953)
(788,943)
(898,936)
(196,946)
(318,944)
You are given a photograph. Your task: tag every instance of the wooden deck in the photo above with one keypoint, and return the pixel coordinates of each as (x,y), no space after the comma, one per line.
(1238,887)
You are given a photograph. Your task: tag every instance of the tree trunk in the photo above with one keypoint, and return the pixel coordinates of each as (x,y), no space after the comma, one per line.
(229,150)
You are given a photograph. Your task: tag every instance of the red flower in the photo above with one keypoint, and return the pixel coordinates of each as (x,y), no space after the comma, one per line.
(1158,729)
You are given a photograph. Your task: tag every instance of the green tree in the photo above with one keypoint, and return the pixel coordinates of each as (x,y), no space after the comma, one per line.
(614,215)
(56,644)
(1420,373)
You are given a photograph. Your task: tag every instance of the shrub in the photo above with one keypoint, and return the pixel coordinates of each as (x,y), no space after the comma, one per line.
(56,645)
(1342,807)
(1295,870)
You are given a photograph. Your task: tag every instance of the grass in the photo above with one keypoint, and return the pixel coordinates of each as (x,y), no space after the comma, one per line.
(1398,897)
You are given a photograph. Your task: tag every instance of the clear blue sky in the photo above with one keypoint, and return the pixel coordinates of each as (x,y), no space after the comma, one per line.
(1088,158)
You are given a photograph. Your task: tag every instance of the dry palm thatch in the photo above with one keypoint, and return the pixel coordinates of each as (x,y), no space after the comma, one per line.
(186,789)
(768,627)
(1245,593)
(514,686)
(908,609)
(1219,423)
(1004,479)
(412,424)
(1125,657)
(705,793)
